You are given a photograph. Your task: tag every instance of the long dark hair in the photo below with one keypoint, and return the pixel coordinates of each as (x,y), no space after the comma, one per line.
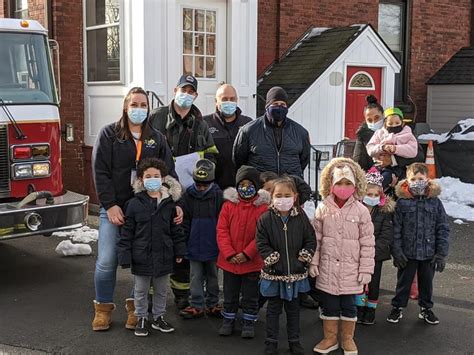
(372,102)
(123,131)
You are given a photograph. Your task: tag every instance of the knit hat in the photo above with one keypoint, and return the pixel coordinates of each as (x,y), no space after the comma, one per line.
(204,171)
(246,172)
(276,93)
(374,177)
(393,111)
(344,172)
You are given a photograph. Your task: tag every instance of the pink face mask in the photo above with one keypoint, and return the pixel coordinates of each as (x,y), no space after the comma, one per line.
(343,192)
(283,204)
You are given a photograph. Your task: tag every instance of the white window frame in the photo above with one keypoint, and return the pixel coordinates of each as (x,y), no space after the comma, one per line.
(19,11)
(120,24)
(372,87)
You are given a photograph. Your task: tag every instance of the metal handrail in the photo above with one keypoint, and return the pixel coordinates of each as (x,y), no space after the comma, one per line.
(154,96)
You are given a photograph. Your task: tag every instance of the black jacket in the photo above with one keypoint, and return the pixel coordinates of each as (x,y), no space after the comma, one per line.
(149,240)
(255,145)
(382,218)
(113,160)
(184,136)
(280,246)
(224,137)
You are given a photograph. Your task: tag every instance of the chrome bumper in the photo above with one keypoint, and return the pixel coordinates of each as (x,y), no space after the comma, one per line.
(68,211)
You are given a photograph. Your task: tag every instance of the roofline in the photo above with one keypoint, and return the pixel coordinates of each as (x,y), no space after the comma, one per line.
(385,44)
(445,64)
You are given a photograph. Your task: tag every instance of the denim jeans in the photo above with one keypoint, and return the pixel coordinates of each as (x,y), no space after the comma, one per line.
(106,264)
(160,288)
(204,273)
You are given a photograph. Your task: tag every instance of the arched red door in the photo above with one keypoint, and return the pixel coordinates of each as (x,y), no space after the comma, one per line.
(361,81)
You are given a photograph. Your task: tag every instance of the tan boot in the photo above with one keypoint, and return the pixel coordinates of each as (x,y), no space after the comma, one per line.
(347,337)
(329,343)
(131,317)
(103,315)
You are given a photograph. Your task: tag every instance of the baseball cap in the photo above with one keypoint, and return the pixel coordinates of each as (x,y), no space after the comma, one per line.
(186,80)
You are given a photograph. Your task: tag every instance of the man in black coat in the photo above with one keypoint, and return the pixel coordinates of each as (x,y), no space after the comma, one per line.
(224,124)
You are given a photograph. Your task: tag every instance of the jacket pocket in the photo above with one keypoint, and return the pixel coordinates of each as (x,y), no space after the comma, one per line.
(139,255)
(168,252)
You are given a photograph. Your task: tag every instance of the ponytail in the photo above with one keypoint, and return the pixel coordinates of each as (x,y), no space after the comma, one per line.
(372,102)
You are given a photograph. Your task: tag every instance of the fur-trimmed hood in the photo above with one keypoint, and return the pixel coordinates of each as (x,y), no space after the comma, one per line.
(326,177)
(434,189)
(170,187)
(389,205)
(263,197)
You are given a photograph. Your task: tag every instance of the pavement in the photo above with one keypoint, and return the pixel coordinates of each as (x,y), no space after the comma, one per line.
(46,307)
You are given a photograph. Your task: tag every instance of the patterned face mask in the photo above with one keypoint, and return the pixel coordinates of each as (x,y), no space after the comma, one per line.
(247,192)
(418,188)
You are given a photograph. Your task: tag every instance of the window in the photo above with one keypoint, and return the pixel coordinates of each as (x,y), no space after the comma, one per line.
(392,28)
(103,40)
(199,43)
(20,9)
(361,81)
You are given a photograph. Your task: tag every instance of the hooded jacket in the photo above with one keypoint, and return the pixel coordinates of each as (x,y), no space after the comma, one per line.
(406,145)
(382,218)
(255,145)
(360,156)
(201,210)
(421,229)
(345,236)
(282,244)
(236,230)
(149,240)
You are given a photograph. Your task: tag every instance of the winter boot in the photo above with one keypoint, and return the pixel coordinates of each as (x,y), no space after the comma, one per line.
(347,337)
(361,314)
(103,315)
(296,348)
(227,327)
(271,348)
(248,329)
(329,343)
(131,317)
(369,317)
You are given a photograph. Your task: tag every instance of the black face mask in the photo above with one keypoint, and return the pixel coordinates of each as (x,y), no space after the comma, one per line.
(277,113)
(395,130)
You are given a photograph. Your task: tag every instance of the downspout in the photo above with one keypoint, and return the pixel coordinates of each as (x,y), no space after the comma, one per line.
(278,29)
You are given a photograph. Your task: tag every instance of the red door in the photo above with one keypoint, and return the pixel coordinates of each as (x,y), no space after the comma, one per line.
(361,81)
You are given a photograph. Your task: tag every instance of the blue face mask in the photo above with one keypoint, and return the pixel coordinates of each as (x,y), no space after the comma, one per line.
(183,99)
(277,113)
(375,126)
(152,184)
(228,108)
(371,201)
(137,115)
(247,192)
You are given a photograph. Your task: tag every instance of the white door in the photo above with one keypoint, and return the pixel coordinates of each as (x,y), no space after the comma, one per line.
(199,48)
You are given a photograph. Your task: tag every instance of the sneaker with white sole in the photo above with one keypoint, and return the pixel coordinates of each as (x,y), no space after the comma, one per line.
(141,329)
(395,315)
(162,325)
(428,316)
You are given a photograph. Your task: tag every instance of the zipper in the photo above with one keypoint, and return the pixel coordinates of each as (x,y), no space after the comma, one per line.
(278,150)
(285,229)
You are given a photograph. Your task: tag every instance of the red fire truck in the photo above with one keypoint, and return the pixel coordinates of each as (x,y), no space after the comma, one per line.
(32,199)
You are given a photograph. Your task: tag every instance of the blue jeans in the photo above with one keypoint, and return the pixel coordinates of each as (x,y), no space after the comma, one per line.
(204,273)
(106,264)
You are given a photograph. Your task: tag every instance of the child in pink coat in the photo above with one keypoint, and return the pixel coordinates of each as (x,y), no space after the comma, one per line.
(344,259)
(396,139)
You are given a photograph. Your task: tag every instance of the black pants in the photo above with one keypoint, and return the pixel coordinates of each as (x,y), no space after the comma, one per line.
(374,285)
(234,285)
(274,309)
(179,279)
(425,283)
(335,307)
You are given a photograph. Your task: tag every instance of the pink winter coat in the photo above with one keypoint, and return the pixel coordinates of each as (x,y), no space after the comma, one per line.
(345,247)
(406,145)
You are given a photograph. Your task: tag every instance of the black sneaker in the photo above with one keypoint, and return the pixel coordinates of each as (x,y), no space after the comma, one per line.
(296,348)
(369,316)
(395,315)
(361,314)
(141,329)
(248,329)
(428,316)
(162,325)
(227,327)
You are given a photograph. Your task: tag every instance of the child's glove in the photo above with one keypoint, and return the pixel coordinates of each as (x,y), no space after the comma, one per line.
(400,262)
(364,278)
(438,262)
(313,271)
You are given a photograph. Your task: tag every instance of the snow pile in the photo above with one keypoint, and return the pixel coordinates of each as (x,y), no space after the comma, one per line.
(80,235)
(67,248)
(458,221)
(463,131)
(458,198)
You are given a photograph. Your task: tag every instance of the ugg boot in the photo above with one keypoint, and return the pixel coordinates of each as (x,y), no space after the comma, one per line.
(103,315)
(347,337)
(329,343)
(131,317)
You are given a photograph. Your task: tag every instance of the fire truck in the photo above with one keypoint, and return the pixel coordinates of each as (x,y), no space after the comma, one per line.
(32,198)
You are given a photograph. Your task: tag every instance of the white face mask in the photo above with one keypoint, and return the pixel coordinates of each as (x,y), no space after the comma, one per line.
(375,126)
(283,204)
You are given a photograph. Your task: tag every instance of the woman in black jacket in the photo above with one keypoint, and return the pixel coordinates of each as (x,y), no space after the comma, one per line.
(118,149)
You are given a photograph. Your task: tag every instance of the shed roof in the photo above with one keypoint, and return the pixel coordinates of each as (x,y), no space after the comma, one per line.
(459,70)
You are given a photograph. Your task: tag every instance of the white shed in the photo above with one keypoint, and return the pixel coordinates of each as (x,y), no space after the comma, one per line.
(451,92)
(328,74)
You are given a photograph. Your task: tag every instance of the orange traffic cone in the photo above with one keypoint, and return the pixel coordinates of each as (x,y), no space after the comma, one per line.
(430,161)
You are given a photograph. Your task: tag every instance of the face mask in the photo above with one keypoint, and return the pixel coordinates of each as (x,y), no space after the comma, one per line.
(418,188)
(395,130)
(137,115)
(247,192)
(283,204)
(277,113)
(228,108)
(371,201)
(152,184)
(343,192)
(375,126)
(183,99)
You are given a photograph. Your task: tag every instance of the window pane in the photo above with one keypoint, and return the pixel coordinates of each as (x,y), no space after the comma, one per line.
(188,19)
(99,12)
(199,44)
(199,67)
(21,5)
(390,25)
(360,81)
(187,43)
(211,44)
(211,21)
(199,20)
(103,54)
(188,64)
(210,67)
